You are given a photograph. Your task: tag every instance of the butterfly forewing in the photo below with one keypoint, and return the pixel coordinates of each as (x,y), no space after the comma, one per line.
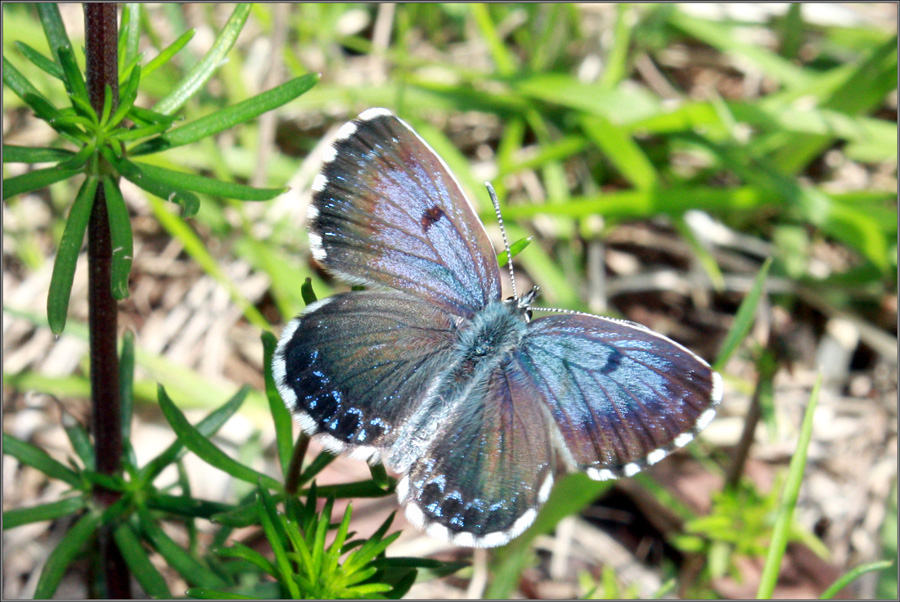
(387,211)
(621,395)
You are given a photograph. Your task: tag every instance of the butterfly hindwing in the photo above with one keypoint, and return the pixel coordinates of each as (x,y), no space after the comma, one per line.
(355,366)
(481,482)
(387,211)
(622,396)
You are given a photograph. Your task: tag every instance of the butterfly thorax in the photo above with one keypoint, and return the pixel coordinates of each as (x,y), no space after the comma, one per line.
(493,332)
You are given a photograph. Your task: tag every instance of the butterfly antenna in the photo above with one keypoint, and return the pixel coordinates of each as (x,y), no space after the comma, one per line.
(496,202)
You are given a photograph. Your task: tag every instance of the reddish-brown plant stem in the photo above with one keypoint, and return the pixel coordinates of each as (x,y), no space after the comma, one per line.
(101,50)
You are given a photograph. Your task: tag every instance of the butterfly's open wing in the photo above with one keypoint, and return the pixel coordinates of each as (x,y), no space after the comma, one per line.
(622,396)
(482,481)
(387,211)
(354,367)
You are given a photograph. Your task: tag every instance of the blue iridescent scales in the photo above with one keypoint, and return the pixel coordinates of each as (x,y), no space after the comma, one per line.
(455,389)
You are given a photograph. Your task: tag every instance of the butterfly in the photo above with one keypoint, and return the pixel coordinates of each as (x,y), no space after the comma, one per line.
(432,373)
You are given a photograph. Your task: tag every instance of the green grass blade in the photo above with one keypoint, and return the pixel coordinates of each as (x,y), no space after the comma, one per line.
(35,180)
(514,249)
(68,550)
(503,59)
(616,64)
(863,90)
(67,256)
(569,496)
(208,65)
(719,35)
(121,239)
(621,150)
(151,580)
(650,202)
(744,318)
(783,520)
(207,451)
(52,511)
(854,574)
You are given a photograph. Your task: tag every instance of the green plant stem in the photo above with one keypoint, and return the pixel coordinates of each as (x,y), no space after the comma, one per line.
(101,53)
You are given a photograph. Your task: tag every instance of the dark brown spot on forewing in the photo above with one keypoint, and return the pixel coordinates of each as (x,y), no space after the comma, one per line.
(430,217)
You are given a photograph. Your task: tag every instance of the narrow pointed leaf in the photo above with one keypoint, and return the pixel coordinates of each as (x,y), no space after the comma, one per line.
(193,571)
(73,79)
(791,492)
(281,416)
(268,518)
(35,180)
(239,550)
(52,511)
(135,174)
(129,33)
(142,568)
(52,22)
(79,439)
(18,83)
(126,382)
(208,65)
(65,552)
(33,456)
(121,239)
(67,256)
(168,52)
(515,248)
(107,104)
(206,427)
(205,449)
(209,186)
(126,99)
(31,154)
(40,61)
(744,318)
(229,117)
